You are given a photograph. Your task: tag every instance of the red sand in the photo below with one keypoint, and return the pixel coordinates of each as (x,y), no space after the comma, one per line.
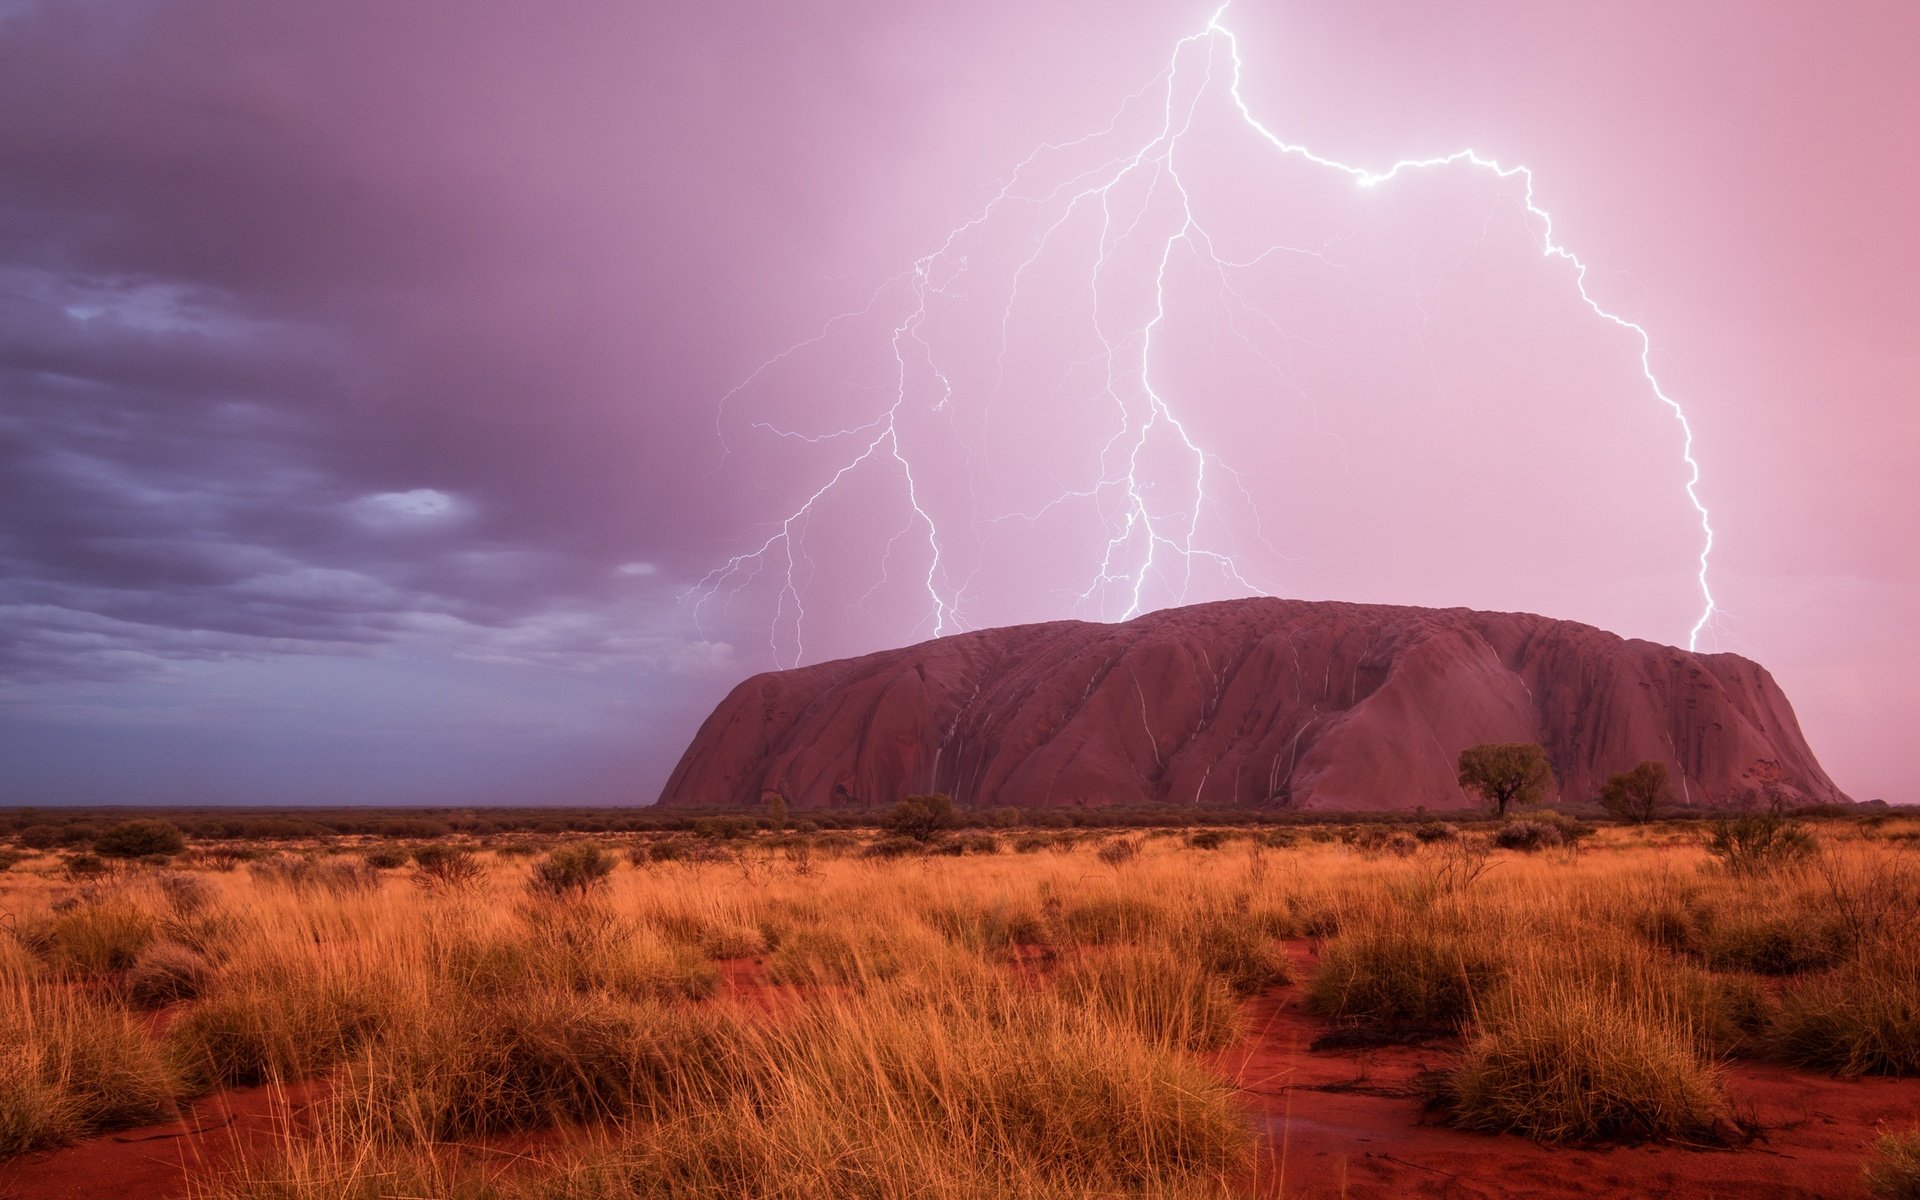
(157,1160)
(1354,1123)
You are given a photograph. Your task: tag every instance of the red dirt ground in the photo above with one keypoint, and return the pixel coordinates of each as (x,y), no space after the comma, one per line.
(1354,1123)
(1337,1123)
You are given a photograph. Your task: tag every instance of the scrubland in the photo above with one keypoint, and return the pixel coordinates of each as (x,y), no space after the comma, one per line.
(795,1016)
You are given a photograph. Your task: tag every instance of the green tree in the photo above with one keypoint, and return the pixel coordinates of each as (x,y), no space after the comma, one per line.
(1507,774)
(1639,795)
(919,817)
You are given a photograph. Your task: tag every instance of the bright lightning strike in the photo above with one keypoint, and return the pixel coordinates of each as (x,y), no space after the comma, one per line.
(1154,520)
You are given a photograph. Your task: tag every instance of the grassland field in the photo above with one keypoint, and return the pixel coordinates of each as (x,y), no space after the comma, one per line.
(1016,1012)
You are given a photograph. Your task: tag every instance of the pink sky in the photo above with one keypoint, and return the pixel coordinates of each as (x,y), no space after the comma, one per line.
(362,366)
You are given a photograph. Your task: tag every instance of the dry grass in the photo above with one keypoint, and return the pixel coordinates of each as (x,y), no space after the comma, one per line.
(1892,1172)
(941,1026)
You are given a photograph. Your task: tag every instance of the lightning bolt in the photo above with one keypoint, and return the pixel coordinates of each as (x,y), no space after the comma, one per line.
(1154,526)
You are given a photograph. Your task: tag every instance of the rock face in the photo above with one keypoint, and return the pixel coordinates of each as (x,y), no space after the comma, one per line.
(1245,703)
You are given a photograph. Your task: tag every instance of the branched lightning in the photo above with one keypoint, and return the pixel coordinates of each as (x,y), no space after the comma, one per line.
(1154,526)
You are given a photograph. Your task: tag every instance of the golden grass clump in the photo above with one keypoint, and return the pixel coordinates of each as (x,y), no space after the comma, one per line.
(94,933)
(458,1066)
(1557,1059)
(1025,1098)
(1162,994)
(1413,968)
(70,1066)
(1861,1019)
(274,1020)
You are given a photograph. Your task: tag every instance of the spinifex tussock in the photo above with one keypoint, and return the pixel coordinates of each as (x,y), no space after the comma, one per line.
(1562,1054)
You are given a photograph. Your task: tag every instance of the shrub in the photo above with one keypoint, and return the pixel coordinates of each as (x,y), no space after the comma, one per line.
(1563,1062)
(1758,842)
(572,870)
(1526,834)
(1436,831)
(386,858)
(1208,839)
(895,847)
(39,837)
(440,866)
(989,927)
(970,843)
(919,817)
(1013,1099)
(140,839)
(1892,1172)
(1118,851)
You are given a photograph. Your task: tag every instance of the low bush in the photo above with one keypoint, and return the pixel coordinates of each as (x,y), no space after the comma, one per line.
(441,867)
(1758,842)
(574,870)
(140,839)
(969,843)
(38,837)
(1526,833)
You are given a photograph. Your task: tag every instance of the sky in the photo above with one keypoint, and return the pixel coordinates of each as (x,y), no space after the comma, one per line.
(446,403)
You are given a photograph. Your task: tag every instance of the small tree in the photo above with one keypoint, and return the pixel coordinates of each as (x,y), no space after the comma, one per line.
(1507,774)
(139,839)
(1639,795)
(776,811)
(919,817)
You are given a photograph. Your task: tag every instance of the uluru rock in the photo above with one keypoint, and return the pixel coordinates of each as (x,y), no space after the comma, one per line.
(1245,703)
